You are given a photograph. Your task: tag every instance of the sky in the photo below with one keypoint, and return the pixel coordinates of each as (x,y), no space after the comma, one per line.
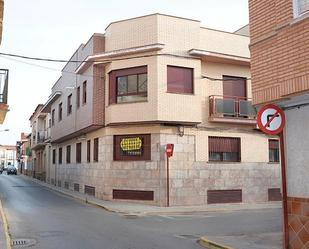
(55,29)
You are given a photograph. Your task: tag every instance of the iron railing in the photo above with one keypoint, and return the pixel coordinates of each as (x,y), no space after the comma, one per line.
(4,79)
(231,107)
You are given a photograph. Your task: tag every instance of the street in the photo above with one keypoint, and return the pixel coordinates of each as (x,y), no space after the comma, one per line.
(56,221)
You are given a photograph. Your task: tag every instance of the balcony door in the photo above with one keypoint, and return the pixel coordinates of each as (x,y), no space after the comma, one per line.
(234,92)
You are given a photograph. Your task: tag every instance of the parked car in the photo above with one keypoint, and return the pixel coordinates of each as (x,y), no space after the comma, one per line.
(11,170)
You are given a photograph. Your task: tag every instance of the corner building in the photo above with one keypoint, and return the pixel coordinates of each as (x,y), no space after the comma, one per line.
(280,62)
(153,80)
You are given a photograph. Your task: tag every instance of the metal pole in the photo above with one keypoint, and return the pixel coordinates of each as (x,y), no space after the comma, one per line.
(284,194)
(167,182)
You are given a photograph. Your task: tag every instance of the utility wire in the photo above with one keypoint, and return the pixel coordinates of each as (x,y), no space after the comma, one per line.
(100,61)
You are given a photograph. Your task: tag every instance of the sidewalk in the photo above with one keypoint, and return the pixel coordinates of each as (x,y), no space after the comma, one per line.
(4,236)
(127,208)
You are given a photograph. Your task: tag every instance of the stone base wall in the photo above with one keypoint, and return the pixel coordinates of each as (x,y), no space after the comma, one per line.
(189,180)
(298,220)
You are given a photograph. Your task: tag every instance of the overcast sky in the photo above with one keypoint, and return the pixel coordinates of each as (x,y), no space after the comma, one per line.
(55,28)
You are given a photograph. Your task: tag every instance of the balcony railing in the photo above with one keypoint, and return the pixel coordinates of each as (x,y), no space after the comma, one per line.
(231,109)
(4,78)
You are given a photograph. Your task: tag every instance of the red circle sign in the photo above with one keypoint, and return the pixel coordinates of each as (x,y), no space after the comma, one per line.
(271,119)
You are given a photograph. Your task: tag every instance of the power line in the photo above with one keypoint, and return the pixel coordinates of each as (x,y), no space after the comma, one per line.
(100,61)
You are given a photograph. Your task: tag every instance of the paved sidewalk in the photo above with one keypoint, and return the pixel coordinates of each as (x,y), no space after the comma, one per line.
(140,209)
(3,231)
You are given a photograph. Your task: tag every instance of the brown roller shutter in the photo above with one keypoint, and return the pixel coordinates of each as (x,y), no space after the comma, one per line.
(274,194)
(224,196)
(133,195)
(179,79)
(224,144)
(234,86)
(89,190)
(273,144)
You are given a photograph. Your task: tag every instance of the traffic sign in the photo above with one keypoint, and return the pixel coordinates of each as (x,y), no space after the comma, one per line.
(271,119)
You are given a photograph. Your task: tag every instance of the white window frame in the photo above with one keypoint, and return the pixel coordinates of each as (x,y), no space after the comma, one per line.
(296,9)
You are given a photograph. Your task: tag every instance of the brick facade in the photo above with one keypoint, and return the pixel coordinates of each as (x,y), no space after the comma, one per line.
(279,65)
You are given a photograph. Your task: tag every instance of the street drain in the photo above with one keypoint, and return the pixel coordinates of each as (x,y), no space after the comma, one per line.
(130,216)
(19,243)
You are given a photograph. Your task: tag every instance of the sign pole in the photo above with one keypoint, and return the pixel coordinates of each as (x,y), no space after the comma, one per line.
(284,193)
(167,182)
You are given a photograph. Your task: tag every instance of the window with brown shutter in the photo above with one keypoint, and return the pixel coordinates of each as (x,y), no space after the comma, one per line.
(54,156)
(96,149)
(273,146)
(78,97)
(132,147)
(78,152)
(68,155)
(128,85)
(60,112)
(69,104)
(224,149)
(88,150)
(60,156)
(179,79)
(53,117)
(84,92)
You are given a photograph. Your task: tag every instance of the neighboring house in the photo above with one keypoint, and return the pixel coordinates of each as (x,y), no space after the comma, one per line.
(280,72)
(23,149)
(7,156)
(40,142)
(153,80)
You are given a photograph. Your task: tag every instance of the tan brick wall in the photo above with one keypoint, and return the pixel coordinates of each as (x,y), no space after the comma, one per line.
(279,50)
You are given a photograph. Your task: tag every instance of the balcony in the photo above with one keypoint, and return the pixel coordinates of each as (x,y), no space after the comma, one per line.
(41,139)
(227,109)
(4,76)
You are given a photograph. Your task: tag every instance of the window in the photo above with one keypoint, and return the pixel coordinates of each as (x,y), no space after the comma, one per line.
(128,85)
(54,156)
(78,97)
(132,147)
(69,154)
(179,80)
(85,92)
(60,156)
(96,150)
(69,109)
(301,7)
(273,146)
(60,112)
(88,150)
(53,117)
(224,149)
(78,152)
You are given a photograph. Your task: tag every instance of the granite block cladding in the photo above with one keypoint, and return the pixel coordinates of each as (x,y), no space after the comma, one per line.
(298,220)
(190,180)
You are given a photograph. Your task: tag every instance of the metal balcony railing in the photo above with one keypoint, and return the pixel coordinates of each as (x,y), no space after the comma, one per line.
(231,107)
(4,79)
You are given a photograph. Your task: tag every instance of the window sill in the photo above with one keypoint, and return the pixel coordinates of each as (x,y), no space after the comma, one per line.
(221,162)
(300,18)
(123,103)
(190,94)
(273,162)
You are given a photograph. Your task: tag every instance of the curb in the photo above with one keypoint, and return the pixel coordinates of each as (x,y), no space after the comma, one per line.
(211,244)
(6,228)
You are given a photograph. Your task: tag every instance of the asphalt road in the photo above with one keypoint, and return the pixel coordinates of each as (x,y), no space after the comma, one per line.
(56,221)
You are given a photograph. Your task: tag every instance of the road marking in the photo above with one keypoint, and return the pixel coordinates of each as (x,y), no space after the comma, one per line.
(6,228)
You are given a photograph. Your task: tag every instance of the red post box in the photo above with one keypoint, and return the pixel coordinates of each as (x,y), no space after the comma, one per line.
(169,149)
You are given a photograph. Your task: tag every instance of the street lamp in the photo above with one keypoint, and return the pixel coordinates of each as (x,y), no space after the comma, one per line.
(5,130)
